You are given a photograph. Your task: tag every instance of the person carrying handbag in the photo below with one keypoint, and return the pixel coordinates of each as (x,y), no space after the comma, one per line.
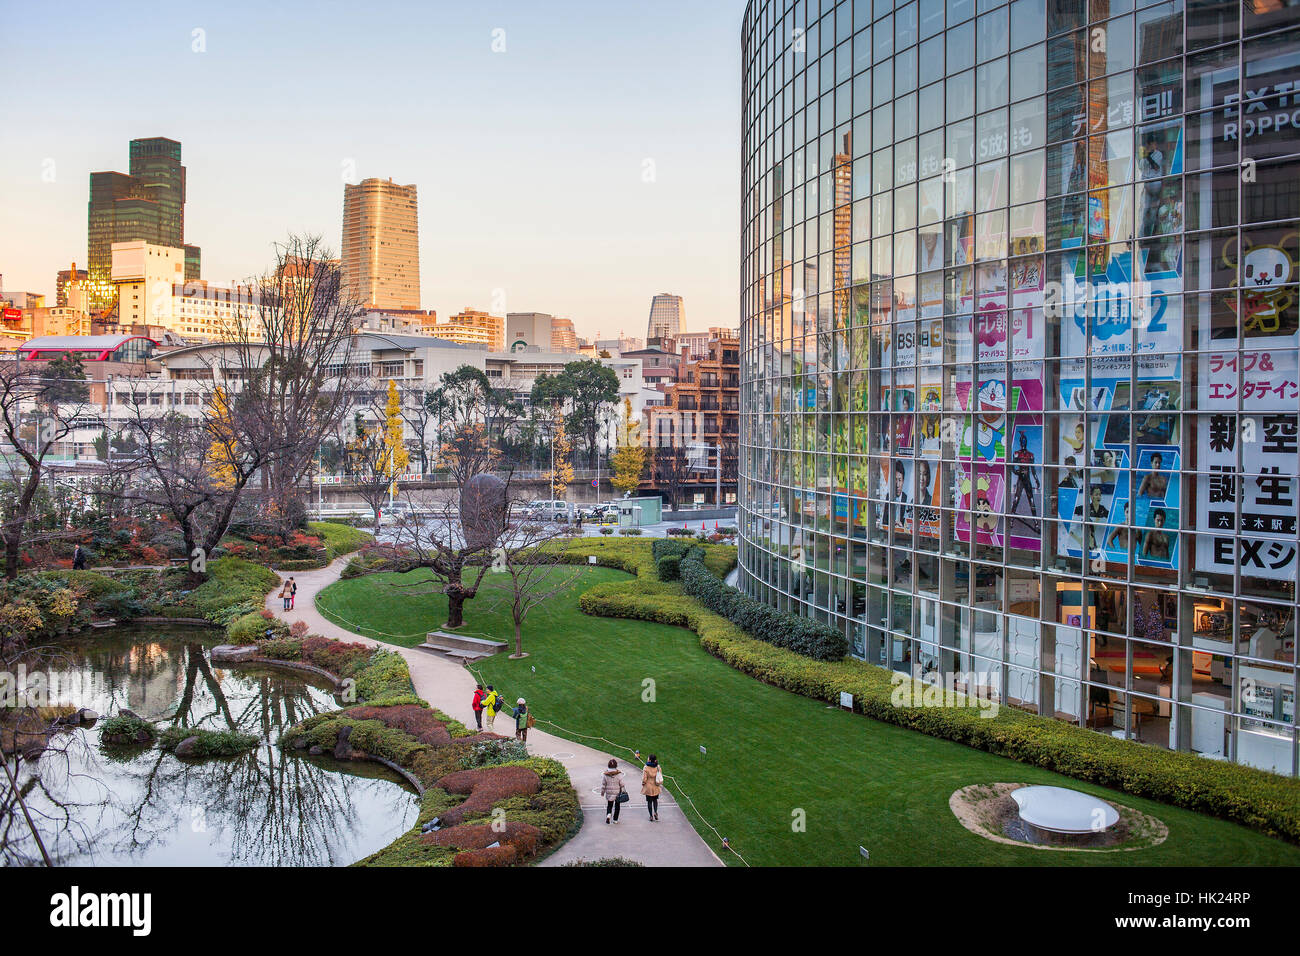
(612,789)
(652,782)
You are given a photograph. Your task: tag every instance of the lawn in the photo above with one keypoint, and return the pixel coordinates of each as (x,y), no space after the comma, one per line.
(770,753)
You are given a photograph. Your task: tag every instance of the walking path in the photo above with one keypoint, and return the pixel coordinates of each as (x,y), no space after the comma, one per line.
(450,687)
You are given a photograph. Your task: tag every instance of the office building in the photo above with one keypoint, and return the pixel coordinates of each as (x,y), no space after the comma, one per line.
(1019,337)
(381,244)
(667,316)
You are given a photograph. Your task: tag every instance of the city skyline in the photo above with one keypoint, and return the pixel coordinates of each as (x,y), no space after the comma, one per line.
(588,199)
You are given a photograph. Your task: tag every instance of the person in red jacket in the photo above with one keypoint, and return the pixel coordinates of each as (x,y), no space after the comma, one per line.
(478,705)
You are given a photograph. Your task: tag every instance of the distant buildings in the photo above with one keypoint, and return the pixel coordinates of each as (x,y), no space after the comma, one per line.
(147,204)
(667,316)
(539,330)
(65,278)
(381,244)
(472,327)
(152,290)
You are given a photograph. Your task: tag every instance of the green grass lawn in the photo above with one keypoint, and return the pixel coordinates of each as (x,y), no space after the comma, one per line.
(770,752)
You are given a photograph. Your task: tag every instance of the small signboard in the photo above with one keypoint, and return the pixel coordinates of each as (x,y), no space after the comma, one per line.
(846,700)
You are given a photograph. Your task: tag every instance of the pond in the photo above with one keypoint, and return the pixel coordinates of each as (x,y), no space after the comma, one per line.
(97,806)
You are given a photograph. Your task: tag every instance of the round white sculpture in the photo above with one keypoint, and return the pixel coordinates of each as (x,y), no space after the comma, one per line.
(1066,812)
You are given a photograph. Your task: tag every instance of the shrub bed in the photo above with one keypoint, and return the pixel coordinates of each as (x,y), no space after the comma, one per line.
(1258,799)
(339,539)
(208,743)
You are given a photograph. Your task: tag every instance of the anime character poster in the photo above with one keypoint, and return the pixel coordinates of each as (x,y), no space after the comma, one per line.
(1025,476)
(927,498)
(929,422)
(980,492)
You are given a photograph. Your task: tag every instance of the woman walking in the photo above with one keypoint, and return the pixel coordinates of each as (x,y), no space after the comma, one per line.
(611,788)
(293,591)
(652,781)
(286,595)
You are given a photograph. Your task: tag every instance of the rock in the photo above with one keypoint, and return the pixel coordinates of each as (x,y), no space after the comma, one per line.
(142,736)
(87,716)
(316,750)
(343,749)
(129,713)
(187,747)
(232,653)
(301,743)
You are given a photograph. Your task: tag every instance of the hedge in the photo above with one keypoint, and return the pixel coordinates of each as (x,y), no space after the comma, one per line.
(799,634)
(1263,801)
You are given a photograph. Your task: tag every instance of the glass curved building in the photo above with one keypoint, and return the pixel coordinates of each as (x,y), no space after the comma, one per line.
(1019,371)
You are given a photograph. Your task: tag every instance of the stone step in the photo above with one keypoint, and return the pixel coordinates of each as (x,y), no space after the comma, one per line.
(460,656)
(460,643)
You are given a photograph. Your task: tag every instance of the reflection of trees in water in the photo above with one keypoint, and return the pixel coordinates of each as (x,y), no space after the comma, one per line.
(265,807)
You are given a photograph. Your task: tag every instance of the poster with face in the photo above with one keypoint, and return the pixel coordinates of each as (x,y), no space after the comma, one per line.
(900,495)
(1155,508)
(930,419)
(1093,499)
(927,498)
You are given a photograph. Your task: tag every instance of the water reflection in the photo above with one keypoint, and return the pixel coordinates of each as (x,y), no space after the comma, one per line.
(97,806)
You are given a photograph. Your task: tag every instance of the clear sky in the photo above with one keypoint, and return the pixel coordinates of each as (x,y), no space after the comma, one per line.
(589,165)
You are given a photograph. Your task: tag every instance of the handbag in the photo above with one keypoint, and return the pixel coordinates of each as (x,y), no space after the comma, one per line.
(622,795)
(659,776)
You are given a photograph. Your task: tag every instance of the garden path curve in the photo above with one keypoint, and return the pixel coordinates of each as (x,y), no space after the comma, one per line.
(449,687)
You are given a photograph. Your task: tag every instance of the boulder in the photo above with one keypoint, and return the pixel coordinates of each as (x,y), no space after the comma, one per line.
(187,747)
(343,749)
(301,743)
(232,653)
(316,750)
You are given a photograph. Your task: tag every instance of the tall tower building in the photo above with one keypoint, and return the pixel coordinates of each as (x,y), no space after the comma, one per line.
(147,204)
(381,244)
(667,316)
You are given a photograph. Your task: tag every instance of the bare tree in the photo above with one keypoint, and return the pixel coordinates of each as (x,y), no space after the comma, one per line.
(291,354)
(529,568)
(37,412)
(195,470)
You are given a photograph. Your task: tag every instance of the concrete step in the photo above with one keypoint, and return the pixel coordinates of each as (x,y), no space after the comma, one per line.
(461,645)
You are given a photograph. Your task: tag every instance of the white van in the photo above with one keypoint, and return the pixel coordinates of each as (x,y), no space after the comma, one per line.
(549,509)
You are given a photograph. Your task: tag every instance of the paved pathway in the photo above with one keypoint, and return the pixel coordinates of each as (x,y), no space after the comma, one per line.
(450,687)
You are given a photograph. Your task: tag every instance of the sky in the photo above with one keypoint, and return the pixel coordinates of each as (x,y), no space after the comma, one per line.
(573,157)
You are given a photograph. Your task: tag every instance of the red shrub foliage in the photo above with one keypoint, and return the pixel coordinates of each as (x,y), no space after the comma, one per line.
(417,721)
(478,836)
(486,786)
(336,657)
(504,855)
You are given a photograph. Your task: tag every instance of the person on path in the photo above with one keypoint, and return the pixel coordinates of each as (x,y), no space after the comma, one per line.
(285,594)
(293,591)
(78,559)
(521,716)
(491,704)
(477,705)
(652,780)
(611,786)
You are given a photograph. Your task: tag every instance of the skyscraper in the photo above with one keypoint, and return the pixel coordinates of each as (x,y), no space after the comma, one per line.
(147,204)
(381,244)
(667,316)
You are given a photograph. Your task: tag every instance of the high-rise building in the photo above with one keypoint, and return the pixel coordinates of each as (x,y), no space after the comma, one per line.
(667,316)
(147,204)
(381,244)
(539,331)
(1001,353)
(66,277)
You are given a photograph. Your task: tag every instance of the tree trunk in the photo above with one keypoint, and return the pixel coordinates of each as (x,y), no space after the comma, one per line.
(519,639)
(455,607)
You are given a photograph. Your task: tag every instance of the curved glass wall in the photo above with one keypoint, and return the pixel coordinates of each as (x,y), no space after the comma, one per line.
(1020,388)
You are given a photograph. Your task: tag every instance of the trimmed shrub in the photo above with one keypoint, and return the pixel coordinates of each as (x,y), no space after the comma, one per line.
(485,787)
(252,627)
(669,567)
(799,634)
(339,539)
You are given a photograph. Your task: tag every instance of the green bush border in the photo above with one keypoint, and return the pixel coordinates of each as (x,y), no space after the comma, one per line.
(1263,801)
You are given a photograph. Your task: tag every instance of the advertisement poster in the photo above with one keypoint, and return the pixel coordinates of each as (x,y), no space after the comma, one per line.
(1001,428)
(1095,448)
(1265,383)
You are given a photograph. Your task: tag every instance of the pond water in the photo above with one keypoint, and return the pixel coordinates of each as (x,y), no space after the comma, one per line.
(97,806)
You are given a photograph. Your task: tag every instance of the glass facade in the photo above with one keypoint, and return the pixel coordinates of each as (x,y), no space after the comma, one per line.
(1019,377)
